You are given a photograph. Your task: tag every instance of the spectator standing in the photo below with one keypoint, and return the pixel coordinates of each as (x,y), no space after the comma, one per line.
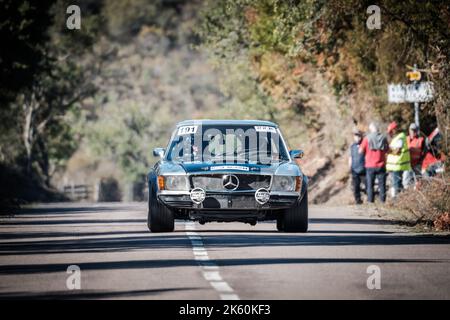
(398,159)
(356,164)
(434,159)
(375,147)
(416,146)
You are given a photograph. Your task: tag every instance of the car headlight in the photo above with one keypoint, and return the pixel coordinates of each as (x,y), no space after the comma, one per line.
(286,183)
(173,183)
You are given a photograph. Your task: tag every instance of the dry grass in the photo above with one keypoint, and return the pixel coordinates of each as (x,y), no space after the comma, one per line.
(429,203)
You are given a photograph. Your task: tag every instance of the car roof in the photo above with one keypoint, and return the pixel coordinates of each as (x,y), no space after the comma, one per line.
(226,122)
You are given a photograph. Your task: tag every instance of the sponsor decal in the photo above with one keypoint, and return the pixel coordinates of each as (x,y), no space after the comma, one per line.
(262,195)
(215,168)
(187,130)
(198,195)
(265,129)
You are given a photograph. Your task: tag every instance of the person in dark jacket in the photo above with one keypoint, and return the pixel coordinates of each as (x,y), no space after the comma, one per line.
(356,164)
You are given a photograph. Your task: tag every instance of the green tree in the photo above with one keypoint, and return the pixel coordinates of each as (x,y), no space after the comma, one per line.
(332,36)
(23,32)
(44,79)
(151,79)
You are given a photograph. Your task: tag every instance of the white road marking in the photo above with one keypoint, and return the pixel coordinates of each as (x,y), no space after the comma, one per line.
(203,258)
(221,286)
(212,276)
(210,270)
(229,296)
(200,253)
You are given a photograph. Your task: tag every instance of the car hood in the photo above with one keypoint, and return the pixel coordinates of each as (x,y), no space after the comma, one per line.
(281,168)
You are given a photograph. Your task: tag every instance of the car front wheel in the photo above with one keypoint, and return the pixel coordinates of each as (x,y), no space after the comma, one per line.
(160,218)
(295,219)
(280,221)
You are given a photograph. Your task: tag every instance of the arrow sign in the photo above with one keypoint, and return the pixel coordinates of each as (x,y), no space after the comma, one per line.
(414,92)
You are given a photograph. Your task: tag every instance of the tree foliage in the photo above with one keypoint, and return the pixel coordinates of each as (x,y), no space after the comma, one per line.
(120,83)
(332,36)
(150,79)
(43,80)
(23,33)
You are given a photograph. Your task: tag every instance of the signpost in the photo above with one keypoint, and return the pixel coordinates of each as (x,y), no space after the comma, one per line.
(410,93)
(415,92)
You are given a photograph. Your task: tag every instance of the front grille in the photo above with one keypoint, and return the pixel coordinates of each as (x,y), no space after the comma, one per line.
(227,202)
(214,182)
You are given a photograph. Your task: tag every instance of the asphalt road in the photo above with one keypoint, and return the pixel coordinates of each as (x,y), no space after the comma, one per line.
(120,259)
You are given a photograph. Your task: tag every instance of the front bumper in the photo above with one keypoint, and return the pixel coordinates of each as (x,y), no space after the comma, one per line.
(233,201)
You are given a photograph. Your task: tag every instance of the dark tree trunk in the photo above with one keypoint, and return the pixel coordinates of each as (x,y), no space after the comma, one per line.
(43,161)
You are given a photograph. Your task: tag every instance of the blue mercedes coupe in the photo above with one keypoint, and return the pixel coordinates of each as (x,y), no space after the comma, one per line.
(227,170)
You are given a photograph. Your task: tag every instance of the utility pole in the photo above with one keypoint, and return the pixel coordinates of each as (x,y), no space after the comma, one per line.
(416,104)
(416,115)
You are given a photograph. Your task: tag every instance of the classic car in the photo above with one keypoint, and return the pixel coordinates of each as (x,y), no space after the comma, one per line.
(227,170)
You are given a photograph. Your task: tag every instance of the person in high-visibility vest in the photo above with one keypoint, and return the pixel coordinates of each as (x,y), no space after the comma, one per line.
(398,159)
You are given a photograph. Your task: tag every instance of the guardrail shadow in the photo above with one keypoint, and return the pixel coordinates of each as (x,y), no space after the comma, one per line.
(112,240)
(86,294)
(58,209)
(174,263)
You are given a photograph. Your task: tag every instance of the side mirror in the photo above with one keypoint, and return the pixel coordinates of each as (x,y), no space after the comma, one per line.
(158,152)
(296,154)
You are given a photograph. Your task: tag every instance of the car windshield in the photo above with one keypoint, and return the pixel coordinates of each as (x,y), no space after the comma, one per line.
(227,144)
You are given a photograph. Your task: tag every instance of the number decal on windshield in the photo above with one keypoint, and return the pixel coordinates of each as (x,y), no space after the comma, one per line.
(265,129)
(187,130)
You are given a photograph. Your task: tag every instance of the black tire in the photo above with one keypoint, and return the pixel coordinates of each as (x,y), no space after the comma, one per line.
(160,218)
(280,222)
(295,219)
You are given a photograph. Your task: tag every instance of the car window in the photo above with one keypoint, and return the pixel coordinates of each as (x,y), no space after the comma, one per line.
(227,144)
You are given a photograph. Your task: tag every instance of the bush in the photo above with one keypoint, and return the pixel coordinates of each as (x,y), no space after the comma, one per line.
(442,223)
(109,190)
(18,188)
(429,203)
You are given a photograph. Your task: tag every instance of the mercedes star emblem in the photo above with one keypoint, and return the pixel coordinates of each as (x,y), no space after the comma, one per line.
(230,182)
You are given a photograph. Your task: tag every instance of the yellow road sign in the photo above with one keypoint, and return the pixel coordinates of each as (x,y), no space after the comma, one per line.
(414,75)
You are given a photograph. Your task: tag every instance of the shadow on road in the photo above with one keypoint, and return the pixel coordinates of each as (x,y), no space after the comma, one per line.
(143,240)
(173,263)
(367,221)
(65,232)
(86,294)
(47,234)
(65,221)
(106,238)
(60,210)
